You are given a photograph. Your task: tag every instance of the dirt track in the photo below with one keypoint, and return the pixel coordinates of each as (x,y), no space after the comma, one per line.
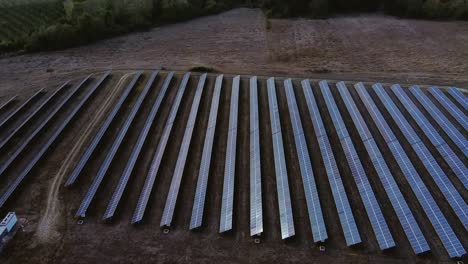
(367,47)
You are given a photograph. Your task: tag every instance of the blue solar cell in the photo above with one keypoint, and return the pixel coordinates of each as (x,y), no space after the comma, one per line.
(171,200)
(90,194)
(459,97)
(124,178)
(453,110)
(399,204)
(256,214)
(282,185)
(435,216)
(57,132)
(225,221)
(202,183)
(158,155)
(317,223)
(348,224)
(371,205)
(449,129)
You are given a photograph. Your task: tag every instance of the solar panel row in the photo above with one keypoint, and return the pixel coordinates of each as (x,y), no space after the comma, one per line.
(377,220)
(399,204)
(459,97)
(31,117)
(158,155)
(435,171)
(227,202)
(203,173)
(449,129)
(171,200)
(256,211)
(57,132)
(20,108)
(19,149)
(8,102)
(90,194)
(317,223)
(348,224)
(431,133)
(282,185)
(124,178)
(102,130)
(435,216)
(453,110)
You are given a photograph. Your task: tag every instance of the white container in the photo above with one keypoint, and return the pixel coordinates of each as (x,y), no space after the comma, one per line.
(9,222)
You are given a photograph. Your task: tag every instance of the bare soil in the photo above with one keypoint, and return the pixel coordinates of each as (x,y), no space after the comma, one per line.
(239,42)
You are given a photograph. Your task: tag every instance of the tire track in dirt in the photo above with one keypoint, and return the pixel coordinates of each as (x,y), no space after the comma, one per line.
(46,230)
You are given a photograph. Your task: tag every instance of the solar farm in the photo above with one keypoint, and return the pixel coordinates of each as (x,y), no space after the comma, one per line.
(280,168)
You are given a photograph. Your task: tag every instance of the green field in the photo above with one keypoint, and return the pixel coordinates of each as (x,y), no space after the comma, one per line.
(20,18)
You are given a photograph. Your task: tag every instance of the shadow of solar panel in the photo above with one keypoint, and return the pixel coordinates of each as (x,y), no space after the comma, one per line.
(81,212)
(202,183)
(225,221)
(348,224)
(282,185)
(57,132)
(157,157)
(171,200)
(317,222)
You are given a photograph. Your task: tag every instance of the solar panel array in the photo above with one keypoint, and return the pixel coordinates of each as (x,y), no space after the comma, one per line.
(399,204)
(449,129)
(121,185)
(451,108)
(282,185)
(395,181)
(57,132)
(5,104)
(227,202)
(459,97)
(183,152)
(348,223)
(105,165)
(317,223)
(158,155)
(256,211)
(203,173)
(439,222)
(435,171)
(431,133)
(102,130)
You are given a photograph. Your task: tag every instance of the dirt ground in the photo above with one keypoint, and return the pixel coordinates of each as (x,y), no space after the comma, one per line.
(52,234)
(241,41)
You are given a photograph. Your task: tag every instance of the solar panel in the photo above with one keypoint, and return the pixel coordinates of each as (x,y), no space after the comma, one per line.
(57,132)
(319,231)
(348,224)
(449,129)
(282,185)
(439,143)
(399,204)
(113,203)
(435,216)
(81,212)
(8,102)
(203,173)
(377,220)
(227,202)
(32,117)
(156,162)
(435,171)
(97,138)
(453,110)
(19,150)
(20,108)
(181,160)
(459,97)
(256,212)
